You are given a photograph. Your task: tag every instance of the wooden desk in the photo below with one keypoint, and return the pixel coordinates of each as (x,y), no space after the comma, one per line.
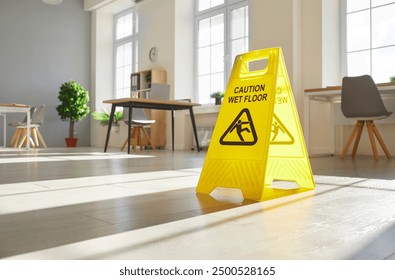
(332,95)
(332,91)
(15,108)
(151,104)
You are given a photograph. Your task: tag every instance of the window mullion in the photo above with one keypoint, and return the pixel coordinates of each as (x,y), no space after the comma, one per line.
(202,78)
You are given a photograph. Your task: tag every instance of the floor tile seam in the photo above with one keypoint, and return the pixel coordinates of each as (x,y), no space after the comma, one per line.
(40,183)
(373,188)
(353,186)
(190,170)
(55,232)
(42,159)
(70,158)
(26,161)
(69,230)
(51,190)
(156,179)
(353,178)
(137,219)
(95,219)
(56,154)
(118,185)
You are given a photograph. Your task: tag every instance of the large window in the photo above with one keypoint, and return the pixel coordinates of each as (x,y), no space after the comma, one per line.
(370,38)
(125,51)
(221,34)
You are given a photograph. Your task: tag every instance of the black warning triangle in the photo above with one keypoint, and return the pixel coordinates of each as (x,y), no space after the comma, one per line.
(242,130)
(278,128)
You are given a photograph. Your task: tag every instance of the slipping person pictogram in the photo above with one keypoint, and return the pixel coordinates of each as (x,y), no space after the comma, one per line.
(276,129)
(239,128)
(243,126)
(281,135)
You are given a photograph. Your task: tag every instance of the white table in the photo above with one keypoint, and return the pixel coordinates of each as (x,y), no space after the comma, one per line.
(15,108)
(332,96)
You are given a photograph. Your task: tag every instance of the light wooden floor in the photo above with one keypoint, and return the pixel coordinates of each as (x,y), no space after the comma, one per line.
(84,204)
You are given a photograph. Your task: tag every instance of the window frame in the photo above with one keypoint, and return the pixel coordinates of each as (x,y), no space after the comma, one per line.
(371,49)
(224,9)
(133,39)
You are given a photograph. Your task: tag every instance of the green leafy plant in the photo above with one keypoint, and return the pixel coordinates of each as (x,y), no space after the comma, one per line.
(217,94)
(392,79)
(104,117)
(73,105)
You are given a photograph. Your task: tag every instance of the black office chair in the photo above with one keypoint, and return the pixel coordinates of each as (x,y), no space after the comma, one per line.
(361,100)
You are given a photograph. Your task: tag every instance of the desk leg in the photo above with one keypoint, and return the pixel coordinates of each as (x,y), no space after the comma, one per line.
(28,117)
(194,128)
(4,130)
(130,126)
(109,127)
(172,129)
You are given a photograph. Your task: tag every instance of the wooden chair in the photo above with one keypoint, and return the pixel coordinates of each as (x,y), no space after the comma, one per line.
(361,100)
(20,136)
(139,121)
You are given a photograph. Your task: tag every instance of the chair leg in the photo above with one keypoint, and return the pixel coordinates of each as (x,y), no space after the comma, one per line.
(20,134)
(33,142)
(140,142)
(126,140)
(136,139)
(358,138)
(349,141)
(33,132)
(381,141)
(15,138)
(148,139)
(372,142)
(41,139)
(124,144)
(24,136)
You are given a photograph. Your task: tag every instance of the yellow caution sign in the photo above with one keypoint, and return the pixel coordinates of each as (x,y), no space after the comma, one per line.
(257,137)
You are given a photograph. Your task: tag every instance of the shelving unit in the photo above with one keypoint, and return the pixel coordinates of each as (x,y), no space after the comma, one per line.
(141,81)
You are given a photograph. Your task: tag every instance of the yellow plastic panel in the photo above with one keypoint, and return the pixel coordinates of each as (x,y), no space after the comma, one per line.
(251,132)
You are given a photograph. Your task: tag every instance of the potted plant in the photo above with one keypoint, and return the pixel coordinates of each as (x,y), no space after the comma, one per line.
(218,95)
(104,118)
(73,107)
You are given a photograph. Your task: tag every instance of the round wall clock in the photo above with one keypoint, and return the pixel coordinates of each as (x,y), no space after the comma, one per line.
(153,54)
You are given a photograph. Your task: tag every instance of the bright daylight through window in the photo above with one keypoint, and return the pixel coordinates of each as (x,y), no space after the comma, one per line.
(221,34)
(370,43)
(125,51)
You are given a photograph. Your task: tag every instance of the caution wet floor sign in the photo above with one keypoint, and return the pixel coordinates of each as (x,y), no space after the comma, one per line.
(257,136)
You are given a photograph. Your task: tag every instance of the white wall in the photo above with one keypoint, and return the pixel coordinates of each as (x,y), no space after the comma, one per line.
(184,50)
(156,29)
(102,68)
(43,46)
(331,62)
